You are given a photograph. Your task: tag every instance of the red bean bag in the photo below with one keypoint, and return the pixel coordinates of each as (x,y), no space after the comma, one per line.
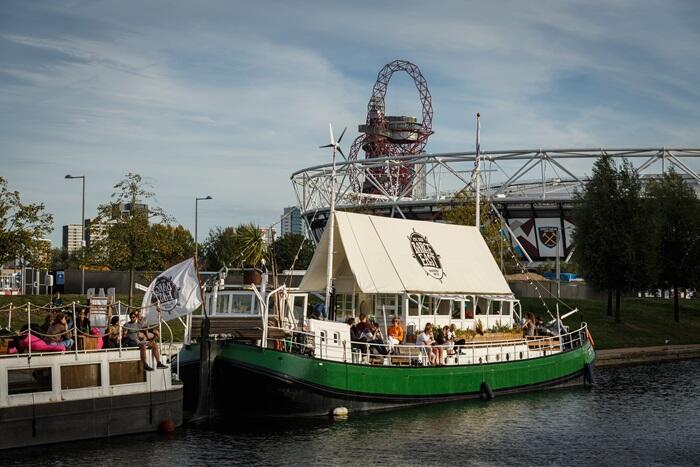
(39,345)
(95,332)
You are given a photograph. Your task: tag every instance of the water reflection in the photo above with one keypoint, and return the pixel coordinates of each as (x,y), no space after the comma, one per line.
(639,415)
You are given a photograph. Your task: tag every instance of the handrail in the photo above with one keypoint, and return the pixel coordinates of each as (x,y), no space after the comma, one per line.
(571,339)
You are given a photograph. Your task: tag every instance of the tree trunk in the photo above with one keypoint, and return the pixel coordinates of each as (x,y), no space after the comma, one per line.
(676,305)
(610,308)
(617,306)
(131,287)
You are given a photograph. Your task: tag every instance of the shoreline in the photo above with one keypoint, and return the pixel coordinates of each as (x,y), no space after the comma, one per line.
(636,355)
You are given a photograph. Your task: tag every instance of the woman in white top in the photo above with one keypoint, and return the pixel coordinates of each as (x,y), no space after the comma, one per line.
(425,340)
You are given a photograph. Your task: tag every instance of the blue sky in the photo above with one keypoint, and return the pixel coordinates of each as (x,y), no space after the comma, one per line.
(227,98)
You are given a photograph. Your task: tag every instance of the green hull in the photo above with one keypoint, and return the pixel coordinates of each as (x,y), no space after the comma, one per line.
(268,382)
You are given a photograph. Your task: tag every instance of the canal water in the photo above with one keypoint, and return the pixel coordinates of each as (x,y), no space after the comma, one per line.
(641,415)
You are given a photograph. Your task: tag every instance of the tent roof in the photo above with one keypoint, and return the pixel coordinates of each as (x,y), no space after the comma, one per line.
(383,255)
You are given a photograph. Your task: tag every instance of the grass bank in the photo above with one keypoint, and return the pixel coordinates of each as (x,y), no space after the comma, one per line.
(645,321)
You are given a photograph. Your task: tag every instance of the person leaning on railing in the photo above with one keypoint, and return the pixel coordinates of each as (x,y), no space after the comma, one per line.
(136,334)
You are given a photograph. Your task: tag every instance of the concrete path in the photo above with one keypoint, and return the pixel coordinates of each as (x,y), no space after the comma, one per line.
(632,355)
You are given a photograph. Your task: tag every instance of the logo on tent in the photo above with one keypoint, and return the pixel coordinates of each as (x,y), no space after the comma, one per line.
(426,256)
(166,293)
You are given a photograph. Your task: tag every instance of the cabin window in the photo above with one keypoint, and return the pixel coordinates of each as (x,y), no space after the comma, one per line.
(469,309)
(323,336)
(482,306)
(126,372)
(299,309)
(495,308)
(457,309)
(427,308)
(413,301)
(27,380)
(80,376)
(343,306)
(443,307)
(506,308)
(389,303)
(336,338)
(242,303)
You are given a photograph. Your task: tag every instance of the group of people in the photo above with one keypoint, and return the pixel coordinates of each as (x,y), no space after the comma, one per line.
(366,334)
(58,329)
(437,345)
(534,326)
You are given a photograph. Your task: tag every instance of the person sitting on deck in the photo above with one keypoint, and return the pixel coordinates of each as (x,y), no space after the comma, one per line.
(459,343)
(58,332)
(136,335)
(113,334)
(376,338)
(83,323)
(425,340)
(395,333)
(449,337)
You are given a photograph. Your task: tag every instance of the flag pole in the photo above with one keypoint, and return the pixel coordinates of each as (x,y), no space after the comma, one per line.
(204,353)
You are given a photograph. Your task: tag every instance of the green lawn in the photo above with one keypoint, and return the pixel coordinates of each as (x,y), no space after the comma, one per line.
(645,321)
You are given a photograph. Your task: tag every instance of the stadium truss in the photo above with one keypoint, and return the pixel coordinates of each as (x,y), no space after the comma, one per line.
(531,190)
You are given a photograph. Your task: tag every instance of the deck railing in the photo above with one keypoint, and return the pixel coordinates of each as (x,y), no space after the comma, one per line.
(312,344)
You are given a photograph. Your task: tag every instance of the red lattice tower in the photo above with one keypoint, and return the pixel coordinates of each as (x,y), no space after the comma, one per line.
(395,137)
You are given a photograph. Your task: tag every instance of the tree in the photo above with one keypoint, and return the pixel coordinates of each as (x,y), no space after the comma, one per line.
(22,226)
(170,245)
(128,244)
(221,248)
(613,238)
(292,250)
(463,212)
(677,207)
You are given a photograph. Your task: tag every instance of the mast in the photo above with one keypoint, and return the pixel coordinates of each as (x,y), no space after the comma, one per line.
(477,163)
(331,225)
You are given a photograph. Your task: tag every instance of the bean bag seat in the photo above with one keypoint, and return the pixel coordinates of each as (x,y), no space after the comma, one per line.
(39,345)
(96,333)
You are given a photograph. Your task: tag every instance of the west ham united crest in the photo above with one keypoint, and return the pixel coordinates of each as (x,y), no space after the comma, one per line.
(548,236)
(166,293)
(426,256)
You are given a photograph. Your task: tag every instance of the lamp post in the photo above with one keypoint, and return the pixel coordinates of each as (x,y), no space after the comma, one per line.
(196,212)
(82,237)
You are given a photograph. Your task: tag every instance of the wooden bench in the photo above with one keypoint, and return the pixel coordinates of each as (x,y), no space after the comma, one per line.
(543,344)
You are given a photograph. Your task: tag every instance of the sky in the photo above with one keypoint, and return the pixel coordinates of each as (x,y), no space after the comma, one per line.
(228,99)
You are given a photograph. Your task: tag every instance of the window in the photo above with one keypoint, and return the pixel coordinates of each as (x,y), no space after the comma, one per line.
(323,336)
(80,376)
(457,309)
(299,309)
(28,380)
(391,304)
(126,372)
(343,306)
(427,308)
(443,307)
(336,338)
(242,303)
(413,301)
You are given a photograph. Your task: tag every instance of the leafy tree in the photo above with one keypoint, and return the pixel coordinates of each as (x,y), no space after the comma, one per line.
(170,245)
(613,238)
(677,207)
(463,212)
(21,228)
(221,248)
(128,244)
(292,247)
(61,259)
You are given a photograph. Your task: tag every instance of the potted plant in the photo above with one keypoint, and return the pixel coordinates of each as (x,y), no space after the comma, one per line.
(253,249)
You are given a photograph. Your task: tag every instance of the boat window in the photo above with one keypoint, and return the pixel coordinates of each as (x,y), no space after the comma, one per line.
(336,338)
(222,304)
(323,336)
(126,372)
(469,309)
(482,306)
(413,301)
(427,308)
(390,303)
(506,308)
(80,376)
(299,308)
(495,307)
(241,303)
(343,306)
(28,380)
(444,307)
(457,309)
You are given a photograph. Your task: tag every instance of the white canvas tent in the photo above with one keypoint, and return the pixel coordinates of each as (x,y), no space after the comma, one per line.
(380,255)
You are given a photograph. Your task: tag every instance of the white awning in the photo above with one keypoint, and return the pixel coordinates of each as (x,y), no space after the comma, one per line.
(383,255)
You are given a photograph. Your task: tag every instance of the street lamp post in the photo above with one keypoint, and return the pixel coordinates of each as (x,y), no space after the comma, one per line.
(82,237)
(196,212)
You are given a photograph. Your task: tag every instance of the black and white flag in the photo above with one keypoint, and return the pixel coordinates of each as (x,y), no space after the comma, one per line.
(175,292)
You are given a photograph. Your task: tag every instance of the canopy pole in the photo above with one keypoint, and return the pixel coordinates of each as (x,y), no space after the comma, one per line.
(330,225)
